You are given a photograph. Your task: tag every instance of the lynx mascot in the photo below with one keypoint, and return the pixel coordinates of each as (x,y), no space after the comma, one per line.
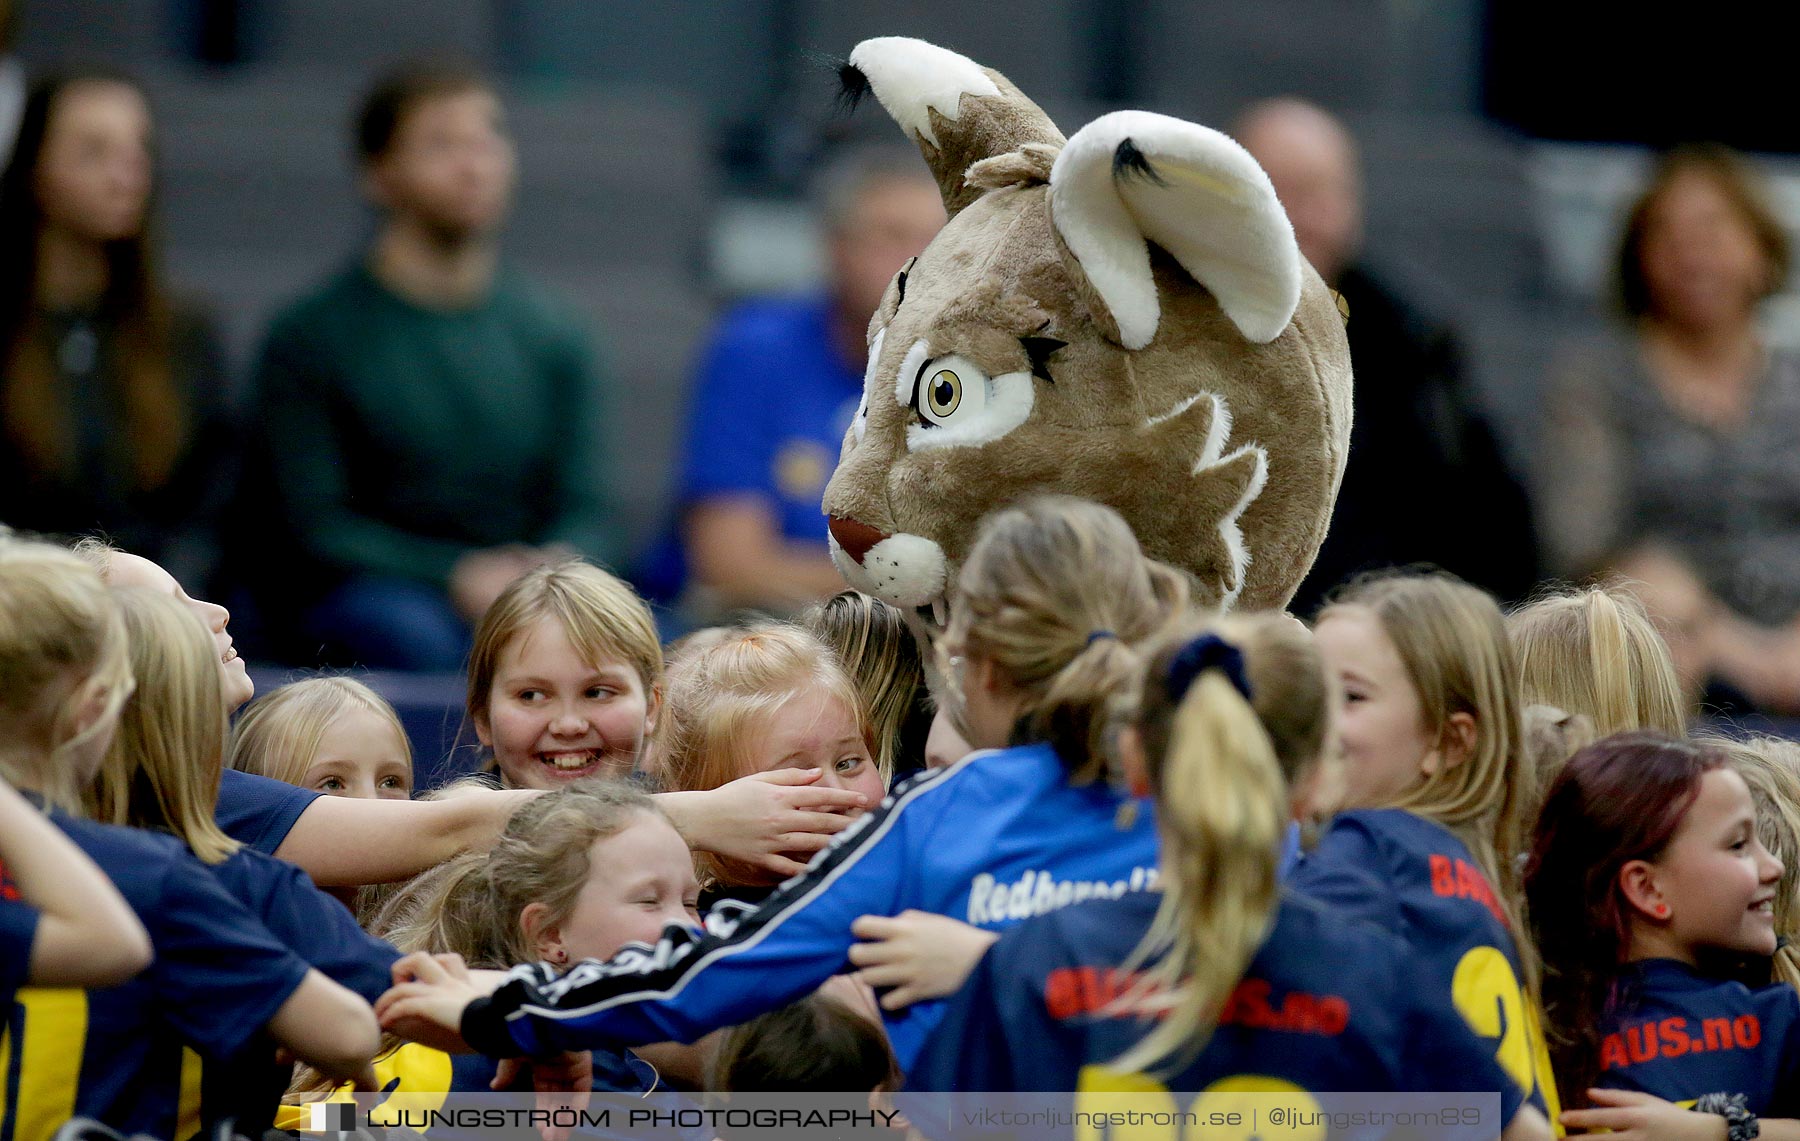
(1122,316)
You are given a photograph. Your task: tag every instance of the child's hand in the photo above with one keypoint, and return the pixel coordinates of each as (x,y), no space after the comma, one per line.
(917,954)
(427,1001)
(771,821)
(1632,1116)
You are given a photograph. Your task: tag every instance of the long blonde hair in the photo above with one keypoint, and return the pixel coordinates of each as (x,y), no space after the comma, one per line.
(602,616)
(1057,594)
(278,734)
(1771,767)
(1451,638)
(162,770)
(62,643)
(1220,764)
(1595,651)
(881,656)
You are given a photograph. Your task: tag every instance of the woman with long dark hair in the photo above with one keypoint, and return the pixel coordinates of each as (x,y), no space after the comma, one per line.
(110,398)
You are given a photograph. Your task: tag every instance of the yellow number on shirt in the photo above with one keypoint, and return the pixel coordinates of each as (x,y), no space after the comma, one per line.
(53,1033)
(1486,994)
(1231,1109)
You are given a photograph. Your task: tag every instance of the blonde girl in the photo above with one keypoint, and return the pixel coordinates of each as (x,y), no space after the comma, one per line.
(770,698)
(1437,788)
(1197,987)
(1050,603)
(578,874)
(1594,651)
(219,976)
(333,735)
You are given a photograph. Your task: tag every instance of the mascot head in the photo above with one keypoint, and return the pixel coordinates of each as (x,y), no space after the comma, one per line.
(1121,316)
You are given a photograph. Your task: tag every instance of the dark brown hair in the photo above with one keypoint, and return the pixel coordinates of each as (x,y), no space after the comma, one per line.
(1740,185)
(815,1045)
(397,92)
(156,414)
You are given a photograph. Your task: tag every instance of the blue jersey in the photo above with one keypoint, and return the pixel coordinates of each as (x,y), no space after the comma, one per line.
(1677,1034)
(218,977)
(1415,877)
(321,931)
(994,839)
(18,931)
(258,811)
(1327,1005)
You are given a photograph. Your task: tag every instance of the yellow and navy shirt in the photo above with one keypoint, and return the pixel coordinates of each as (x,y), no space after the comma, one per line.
(1414,876)
(115,1054)
(1327,1005)
(1677,1034)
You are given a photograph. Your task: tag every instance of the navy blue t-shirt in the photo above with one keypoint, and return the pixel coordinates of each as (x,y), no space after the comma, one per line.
(1677,1034)
(258,811)
(1327,1005)
(218,977)
(18,931)
(1415,877)
(322,932)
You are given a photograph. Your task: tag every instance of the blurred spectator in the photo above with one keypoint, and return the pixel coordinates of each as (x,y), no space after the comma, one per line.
(114,403)
(1426,479)
(1671,447)
(777,389)
(12,80)
(432,424)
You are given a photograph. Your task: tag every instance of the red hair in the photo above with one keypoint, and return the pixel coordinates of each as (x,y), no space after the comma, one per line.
(1620,799)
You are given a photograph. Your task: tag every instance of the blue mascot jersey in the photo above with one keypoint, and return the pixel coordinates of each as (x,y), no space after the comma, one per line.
(1328,1005)
(997,838)
(1677,1035)
(1416,878)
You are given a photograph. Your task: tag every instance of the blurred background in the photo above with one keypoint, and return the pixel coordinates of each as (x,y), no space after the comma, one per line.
(666,149)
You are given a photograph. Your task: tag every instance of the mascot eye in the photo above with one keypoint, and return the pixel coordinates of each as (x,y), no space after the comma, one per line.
(943,392)
(949,391)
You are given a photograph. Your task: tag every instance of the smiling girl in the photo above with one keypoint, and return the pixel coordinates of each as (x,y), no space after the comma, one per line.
(330,734)
(1646,872)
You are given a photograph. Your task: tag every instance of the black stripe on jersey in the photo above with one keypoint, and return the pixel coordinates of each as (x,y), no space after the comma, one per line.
(683,955)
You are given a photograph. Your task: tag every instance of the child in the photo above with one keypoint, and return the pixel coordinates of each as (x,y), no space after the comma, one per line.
(578,874)
(162,773)
(1770,766)
(1646,865)
(817,1044)
(218,976)
(881,656)
(330,734)
(62,923)
(1051,600)
(1242,979)
(1436,786)
(1595,652)
(566,682)
(766,699)
(342,842)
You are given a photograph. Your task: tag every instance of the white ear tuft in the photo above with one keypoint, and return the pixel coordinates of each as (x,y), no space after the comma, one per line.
(912,78)
(1133,175)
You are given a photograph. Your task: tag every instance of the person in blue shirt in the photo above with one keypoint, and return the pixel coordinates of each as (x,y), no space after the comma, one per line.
(1436,792)
(218,977)
(1223,979)
(777,388)
(1052,600)
(1647,881)
(62,923)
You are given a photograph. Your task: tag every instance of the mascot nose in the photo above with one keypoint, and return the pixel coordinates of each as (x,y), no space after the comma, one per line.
(855,538)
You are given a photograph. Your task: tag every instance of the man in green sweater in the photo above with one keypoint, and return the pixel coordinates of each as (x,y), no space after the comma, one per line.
(431,425)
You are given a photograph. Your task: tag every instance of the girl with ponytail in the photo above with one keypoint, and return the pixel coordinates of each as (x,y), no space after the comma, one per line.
(1050,606)
(1595,651)
(1227,975)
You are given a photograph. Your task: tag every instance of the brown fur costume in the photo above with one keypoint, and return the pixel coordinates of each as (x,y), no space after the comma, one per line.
(1123,316)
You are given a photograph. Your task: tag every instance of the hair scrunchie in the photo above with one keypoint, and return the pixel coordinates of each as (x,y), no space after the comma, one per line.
(1207,652)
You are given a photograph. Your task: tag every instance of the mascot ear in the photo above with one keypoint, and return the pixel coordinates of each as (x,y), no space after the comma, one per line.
(1133,176)
(957,111)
